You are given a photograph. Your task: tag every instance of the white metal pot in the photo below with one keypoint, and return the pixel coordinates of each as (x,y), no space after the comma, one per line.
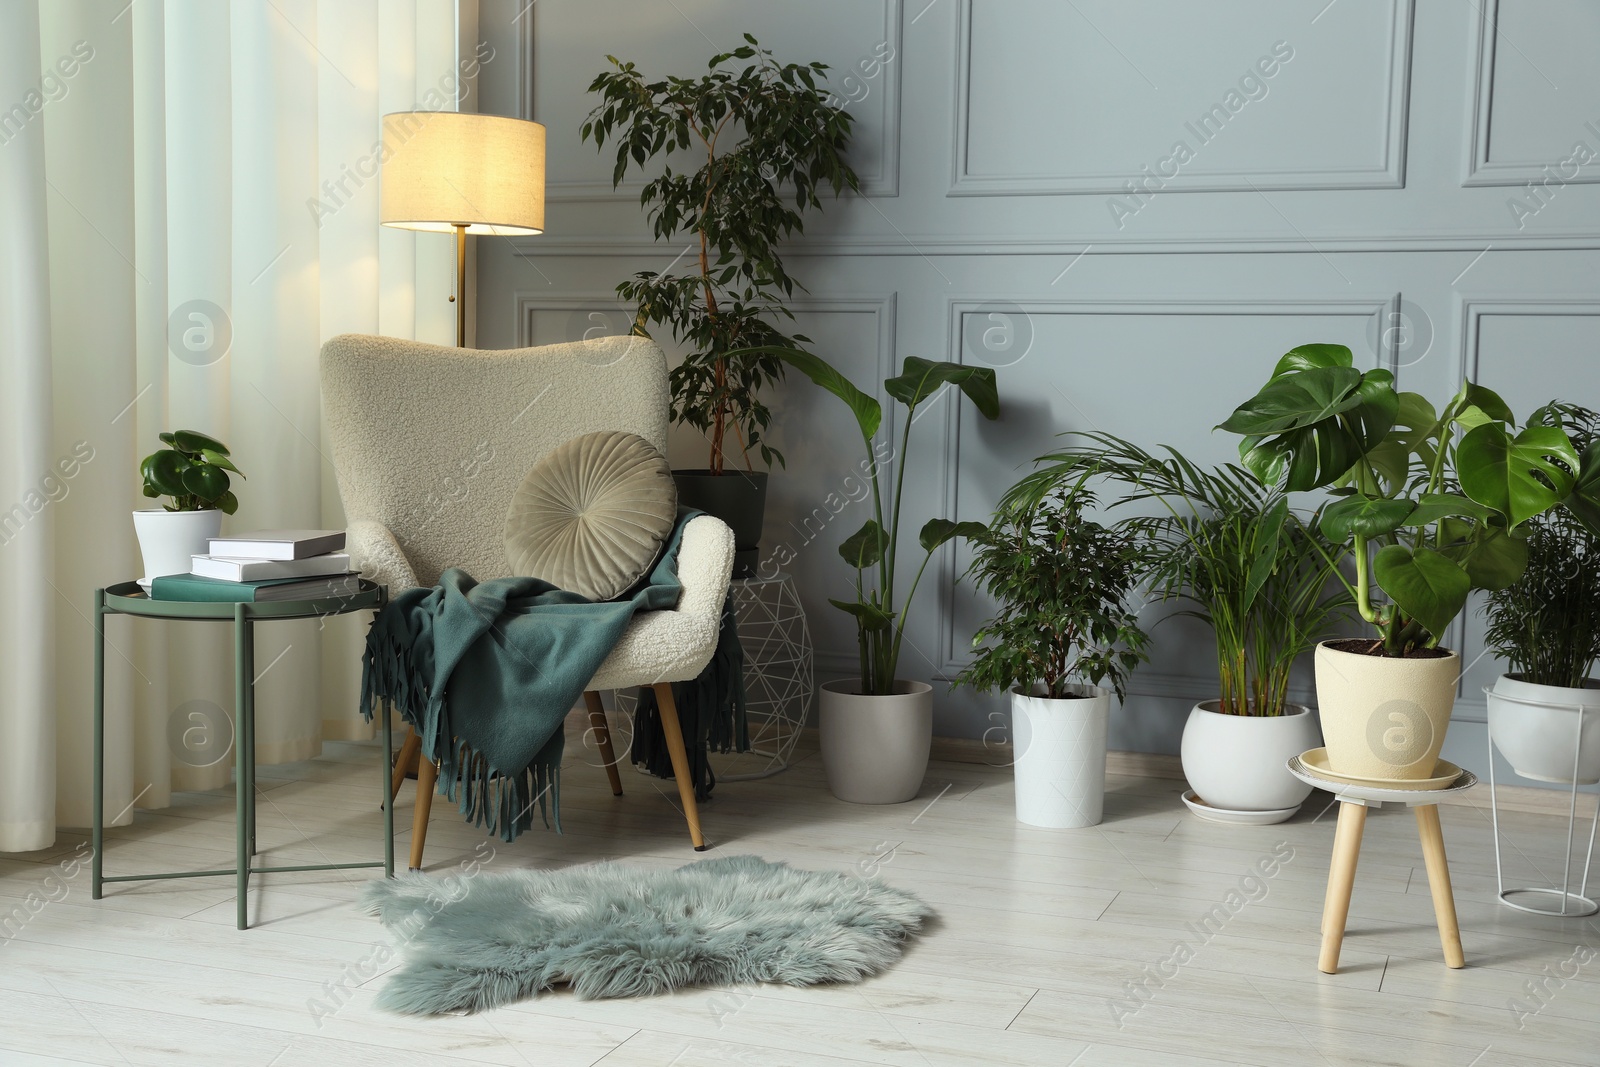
(1536,728)
(168,538)
(1237,762)
(1383,717)
(875,748)
(1060,746)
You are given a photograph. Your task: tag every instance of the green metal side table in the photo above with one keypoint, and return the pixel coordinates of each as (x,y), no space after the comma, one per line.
(127,598)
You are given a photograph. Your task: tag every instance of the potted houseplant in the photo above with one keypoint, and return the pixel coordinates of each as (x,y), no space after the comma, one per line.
(755,137)
(1261,579)
(192,473)
(1062,627)
(1431,504)
(1546,625)
(876,729)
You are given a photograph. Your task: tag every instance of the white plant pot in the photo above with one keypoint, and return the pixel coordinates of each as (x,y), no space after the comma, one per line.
(1536,728)
(1237,762)
(875,748)
(1060,747)
(1384,718)
(168,538)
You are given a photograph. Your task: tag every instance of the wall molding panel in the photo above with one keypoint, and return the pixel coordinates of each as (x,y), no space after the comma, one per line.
(1388,172)
(884,181)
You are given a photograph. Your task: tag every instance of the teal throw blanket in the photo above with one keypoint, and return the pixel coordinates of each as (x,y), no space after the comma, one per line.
(486,672)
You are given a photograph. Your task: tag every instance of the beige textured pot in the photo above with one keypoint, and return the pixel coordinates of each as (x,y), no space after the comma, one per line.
(875,748)
(1384,717)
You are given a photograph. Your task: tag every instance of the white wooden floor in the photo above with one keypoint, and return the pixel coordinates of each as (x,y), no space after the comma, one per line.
(1040,933)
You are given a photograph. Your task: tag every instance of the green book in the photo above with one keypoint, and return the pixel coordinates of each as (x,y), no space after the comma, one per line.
(196,587)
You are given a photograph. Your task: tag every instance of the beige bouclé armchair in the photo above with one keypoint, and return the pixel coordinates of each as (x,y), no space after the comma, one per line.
(429,445)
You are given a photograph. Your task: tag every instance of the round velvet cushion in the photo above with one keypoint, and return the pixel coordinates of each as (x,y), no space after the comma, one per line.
(591,516)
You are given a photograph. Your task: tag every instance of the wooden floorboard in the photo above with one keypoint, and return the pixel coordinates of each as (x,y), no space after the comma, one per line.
(1050,947)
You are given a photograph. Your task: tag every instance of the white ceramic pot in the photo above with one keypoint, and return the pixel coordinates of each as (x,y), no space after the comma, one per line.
(1536,728)
(168,538)
(1237,762)
(1060,747)
(1384,717)
(875,748)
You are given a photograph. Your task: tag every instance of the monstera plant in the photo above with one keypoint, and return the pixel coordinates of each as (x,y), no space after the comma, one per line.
(1432,503)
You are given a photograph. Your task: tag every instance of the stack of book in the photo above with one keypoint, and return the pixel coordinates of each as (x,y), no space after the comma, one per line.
(264,566)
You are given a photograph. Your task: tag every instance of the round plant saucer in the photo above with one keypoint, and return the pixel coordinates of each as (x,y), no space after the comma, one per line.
(1237,818)
(1444,776)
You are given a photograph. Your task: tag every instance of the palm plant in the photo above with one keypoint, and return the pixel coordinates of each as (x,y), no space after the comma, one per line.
(1547,622)
(1256,574)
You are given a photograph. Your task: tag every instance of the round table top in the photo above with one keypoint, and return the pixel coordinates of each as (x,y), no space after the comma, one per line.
(129,598)
(1372,794)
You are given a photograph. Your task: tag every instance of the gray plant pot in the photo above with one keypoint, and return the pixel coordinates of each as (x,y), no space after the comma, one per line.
(738,498)
(875,748)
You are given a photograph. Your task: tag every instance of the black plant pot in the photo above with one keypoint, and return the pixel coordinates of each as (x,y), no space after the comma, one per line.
(738,498)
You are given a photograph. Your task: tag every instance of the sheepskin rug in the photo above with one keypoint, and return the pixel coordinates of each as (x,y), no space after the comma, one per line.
(475,941)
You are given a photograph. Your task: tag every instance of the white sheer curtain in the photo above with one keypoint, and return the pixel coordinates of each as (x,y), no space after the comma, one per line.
(161,161)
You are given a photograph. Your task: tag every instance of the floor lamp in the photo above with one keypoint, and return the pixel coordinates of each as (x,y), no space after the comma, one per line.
(453,171)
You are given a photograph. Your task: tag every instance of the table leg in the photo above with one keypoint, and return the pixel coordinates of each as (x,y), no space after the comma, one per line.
(1341,880)
(1444,902)
(250,728)
(388,795)
(241,776)
(97,840)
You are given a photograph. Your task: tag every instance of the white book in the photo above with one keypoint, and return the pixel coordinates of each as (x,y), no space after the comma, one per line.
(278,544)
(235,569)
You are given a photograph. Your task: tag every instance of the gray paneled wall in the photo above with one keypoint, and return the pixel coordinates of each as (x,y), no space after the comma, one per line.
(1129,208)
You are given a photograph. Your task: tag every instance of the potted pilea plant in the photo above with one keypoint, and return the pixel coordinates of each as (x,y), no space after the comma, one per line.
(1061,633)
(1546,625)
(192,474)
(755,138)
(1261,578)
(1431,504)
(876,729)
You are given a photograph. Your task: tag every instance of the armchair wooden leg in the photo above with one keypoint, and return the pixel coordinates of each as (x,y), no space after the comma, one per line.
(427,779)
(403,762)
(680,761)
(602,737)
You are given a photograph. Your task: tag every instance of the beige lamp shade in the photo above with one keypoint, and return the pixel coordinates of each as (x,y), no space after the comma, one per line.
(444,169)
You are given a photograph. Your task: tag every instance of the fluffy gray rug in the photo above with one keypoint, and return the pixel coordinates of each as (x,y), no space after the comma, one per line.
(475,941)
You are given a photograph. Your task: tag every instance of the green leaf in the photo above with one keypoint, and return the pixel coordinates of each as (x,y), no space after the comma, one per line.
(869,616)
(1427,585)
(1367,516)
(1435,506)
(867,410)
(865,547)
(1519,477)
(1312,357)
(938,531)
(1493,560)
(194,442)
(207,483)
(166,438)
(227,503)
(920,378)
(1296,401)
(217,459)
(1266,550)
(163,472)
(1584,500)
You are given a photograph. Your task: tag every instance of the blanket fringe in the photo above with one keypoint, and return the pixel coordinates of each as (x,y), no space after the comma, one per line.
(711,710)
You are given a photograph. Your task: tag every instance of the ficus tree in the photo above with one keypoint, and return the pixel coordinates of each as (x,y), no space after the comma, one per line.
(758,144)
